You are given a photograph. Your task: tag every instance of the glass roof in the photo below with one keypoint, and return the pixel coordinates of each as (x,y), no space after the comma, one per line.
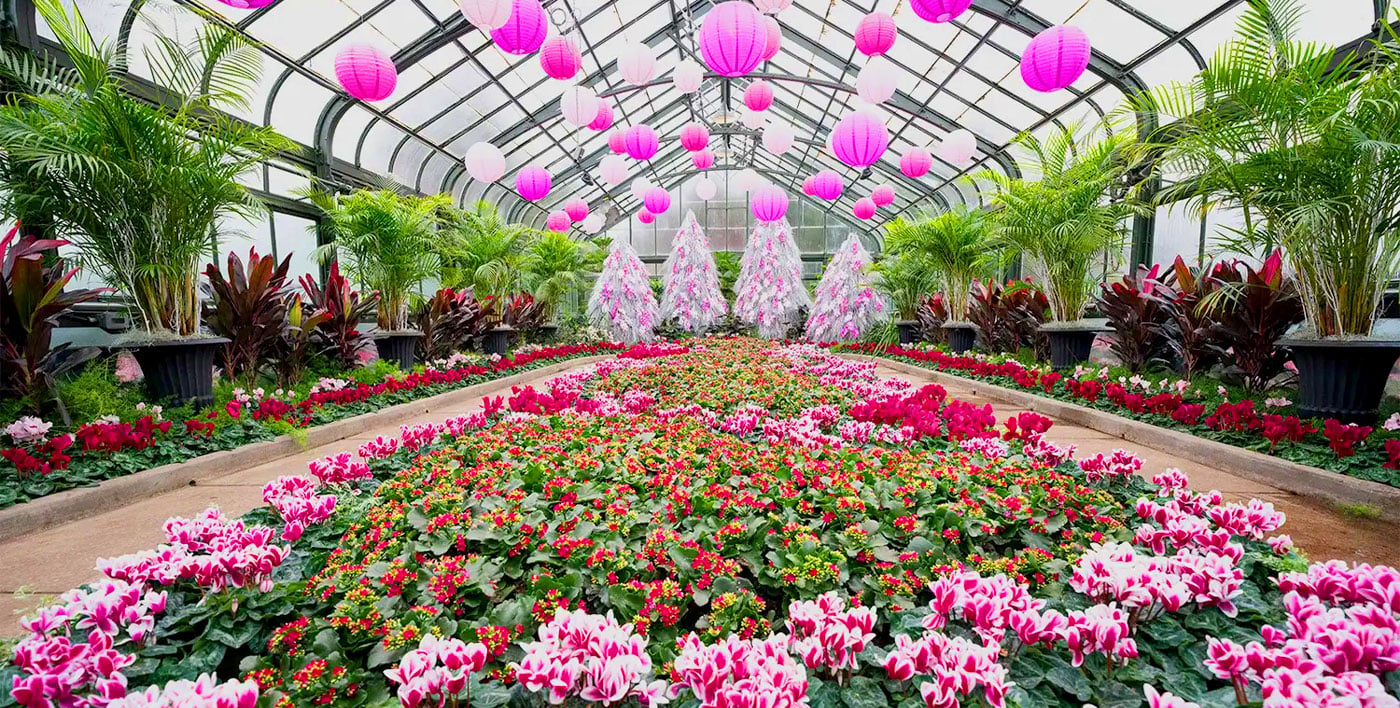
(456,88)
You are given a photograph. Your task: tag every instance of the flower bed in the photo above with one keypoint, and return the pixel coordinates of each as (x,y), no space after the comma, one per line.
(1359,451)
(643,533)
(47,464)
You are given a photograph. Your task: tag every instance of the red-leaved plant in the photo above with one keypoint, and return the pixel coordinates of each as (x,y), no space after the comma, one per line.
(1188,328)
(1137,318)
(249,308)
(1253,309)
(339,336)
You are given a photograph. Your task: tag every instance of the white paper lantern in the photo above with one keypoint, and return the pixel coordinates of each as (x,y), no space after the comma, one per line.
(640,186)
(580,105)
(613,169)
(748,180)
(772,7)
(877,80)
(778,138)
(485,162)
(593,223)
(636,63)
(688,76)
(486,15)
(706,189)
(957,147)
(753,120)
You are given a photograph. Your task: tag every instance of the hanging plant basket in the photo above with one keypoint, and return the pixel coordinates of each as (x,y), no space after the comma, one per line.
(179,371)
(399,347)
(1342,378)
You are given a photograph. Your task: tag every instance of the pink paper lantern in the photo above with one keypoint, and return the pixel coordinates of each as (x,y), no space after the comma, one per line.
(875,34)
(916,163)
(617,141)
(366,72)
(526,29)
(533,183)
(759,95)
(577,209)
(694,137)
(733,38)
(657,200)
(1055,58)
(859,139)
(645,216)
(772,37)
(559,58)
(604,119)
(641,142)
(882,195)
(702,159)
(557,221)
(939,10)
(769,203)
(247,4)
(827,185)
(864,208)
(809,186)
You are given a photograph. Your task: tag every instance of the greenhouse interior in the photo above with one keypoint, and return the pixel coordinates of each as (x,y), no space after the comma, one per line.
(700,353)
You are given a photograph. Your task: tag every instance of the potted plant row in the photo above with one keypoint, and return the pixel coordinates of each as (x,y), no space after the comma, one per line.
(955,246)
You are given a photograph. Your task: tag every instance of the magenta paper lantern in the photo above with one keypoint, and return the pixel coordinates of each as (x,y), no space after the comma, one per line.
(526,29)
(247,4)
(827,185)
(875,34)
(939,10)
(916,163)
(759,95)
(859,139)
(657,200)
(577,209)
(864,208)
(694,137)
(882,195)
(702,159)
(560,58)
(640,141)
(1055,58)
(557,221)
(533,183)
(733,38)
(809,186)
(604,119)
(366,72)
(617,141)
(772,37)
(769,203)
(645,216)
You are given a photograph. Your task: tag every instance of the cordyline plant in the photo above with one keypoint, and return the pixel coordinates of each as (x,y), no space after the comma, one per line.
(933,313)
(1189,329)
(954,245)
(298,337)
(338,336)
(1136,317)
(1253,309)
(249,308)
(447,320)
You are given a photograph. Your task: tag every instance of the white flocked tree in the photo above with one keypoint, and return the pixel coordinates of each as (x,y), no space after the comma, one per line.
(769,293)
(692,296)
(847,303)
(622,303)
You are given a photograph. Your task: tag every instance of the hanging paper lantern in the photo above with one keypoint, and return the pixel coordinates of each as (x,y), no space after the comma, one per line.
(636,63)
(594,223)
(641,142)
(702,159)
(247,4)
(957,147)
(557,221)
(748,180)
(864,208)
(778,138)
(687,76)
(613,170)
(694,137)
(560,58)
(645,216)
(772,38)
(772,7)
(706,189)
(859,139)
(753,120)
(617,141)
(916,163)
(526,29)
(882,195)
(640,187)
(939,10)
(604,119)
(657,200)
(759,95)
(577,209)
(485,14)
(533,183)
(579,105)
(769,203)
(1055,58)
(366,72)
(485,162)
(875,34)
(827,185)
(877,80)
(733,38)
(808,187)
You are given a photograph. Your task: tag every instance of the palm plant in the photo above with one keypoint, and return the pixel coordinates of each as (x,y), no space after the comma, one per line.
(483,251)
(905,280)
(555,267)
(954,245)
(138,188)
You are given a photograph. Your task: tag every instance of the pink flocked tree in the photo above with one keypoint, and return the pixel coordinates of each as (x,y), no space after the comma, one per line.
(692,295)
(622,303)
(847,302)
(769,293)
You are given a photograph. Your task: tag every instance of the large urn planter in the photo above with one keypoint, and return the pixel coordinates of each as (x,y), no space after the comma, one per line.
(1070,342)
(962,336)
(497,340)
(400,347)
(547,333)
(908,332)
(1342,378)
(179,371)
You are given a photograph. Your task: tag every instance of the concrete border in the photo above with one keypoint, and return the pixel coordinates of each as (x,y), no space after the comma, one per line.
(1302,480)
(73,504)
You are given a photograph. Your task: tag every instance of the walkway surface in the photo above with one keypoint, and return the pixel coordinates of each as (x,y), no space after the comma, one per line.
(42,565)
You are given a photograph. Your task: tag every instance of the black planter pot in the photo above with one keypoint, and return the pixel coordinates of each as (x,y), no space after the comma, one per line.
(497,341)
(399,347)
(1070,347)
(179,370)
(548,333)
(1342,379)
(961,337)
(908,331)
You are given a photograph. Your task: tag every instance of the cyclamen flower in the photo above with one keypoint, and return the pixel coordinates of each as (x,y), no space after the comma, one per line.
(1165,700)
(1278,402)
(296,501)
(1392,423)
(826,634)
(417,437)
(590,657)
(1100,629)
(739,673)
(436,671)
(28,429)
(201,693)
(379,448)
(338,469)
(1118,467)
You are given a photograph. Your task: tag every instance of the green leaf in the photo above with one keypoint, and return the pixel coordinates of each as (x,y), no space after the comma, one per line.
(1065,677)
(1113,694)
(489,695)
(864,692)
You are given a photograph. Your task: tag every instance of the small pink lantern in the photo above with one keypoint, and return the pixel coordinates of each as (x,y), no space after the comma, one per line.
(645,216)
(1055,58)
(366,72)
(759,95)
(533,183)
(641,142)
(694,137)
(939,10)
(526,29)
(859,139)
(882,195)
(247,4)
(809,186)
(772,36)
(916,163)
(769,203)
(733,38)
(577,209)
(827,185)
(485,14)
(875,34)
(604,119)
(657,200)
(560,59)
(864,208)
(557,221)
(702,159)
(617,141)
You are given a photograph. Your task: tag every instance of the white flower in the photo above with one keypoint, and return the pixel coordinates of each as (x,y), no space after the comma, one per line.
(1279,402)
(1392,423)
(28,429)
